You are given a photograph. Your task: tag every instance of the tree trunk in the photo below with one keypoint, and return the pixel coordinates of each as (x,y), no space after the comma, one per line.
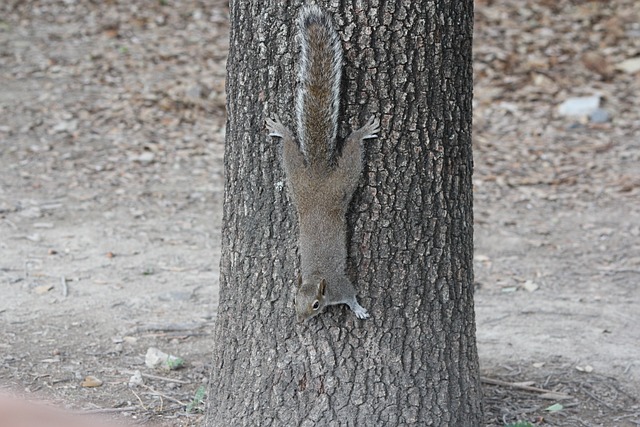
(411,229)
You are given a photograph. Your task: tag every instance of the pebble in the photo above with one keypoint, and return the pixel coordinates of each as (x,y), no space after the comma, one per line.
(579,106)
(42,225)
(31,212)
(145,157)
(176,296)
(136,379)
(599,116)
(158,359)
(194,93)
(629,66)
(154,357)
(65,126)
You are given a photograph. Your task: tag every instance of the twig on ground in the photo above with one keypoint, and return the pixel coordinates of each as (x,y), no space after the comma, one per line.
(138,397)
(156,392)
(596,398)
(168,327)
(549,394)
(105,410)
(65,289)
(157,377)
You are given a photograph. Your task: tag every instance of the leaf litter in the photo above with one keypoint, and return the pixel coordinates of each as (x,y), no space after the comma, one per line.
(107,104)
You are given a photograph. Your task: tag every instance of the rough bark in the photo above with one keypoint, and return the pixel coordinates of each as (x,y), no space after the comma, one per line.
(411,229)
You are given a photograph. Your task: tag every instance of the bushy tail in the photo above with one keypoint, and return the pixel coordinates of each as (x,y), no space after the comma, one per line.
(318,96)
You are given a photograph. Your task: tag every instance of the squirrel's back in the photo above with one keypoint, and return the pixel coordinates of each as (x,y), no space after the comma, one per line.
(320,182)
(318,97)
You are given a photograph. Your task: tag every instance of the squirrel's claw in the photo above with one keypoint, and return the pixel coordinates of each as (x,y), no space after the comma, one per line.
(359,311)
(276,128)
(371,128)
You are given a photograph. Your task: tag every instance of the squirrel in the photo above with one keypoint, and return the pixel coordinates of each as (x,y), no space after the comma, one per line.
(321,183)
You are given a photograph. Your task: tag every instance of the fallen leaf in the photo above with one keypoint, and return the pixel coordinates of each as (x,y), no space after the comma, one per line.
(596,62)
(91,381)
(554,408)
(482,258)
(42,289)
(530,286)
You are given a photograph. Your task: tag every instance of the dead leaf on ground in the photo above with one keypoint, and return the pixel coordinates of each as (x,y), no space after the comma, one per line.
(91,381)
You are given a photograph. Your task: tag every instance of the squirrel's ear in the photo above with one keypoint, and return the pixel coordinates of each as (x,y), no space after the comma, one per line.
(322,287)
(299,280)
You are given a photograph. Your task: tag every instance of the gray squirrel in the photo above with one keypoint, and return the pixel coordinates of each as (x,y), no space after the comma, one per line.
(321,183)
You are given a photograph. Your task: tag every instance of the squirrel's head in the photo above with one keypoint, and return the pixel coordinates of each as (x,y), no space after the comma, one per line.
(310,298)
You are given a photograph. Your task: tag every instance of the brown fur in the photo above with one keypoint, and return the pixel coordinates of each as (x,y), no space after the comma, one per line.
(320,189)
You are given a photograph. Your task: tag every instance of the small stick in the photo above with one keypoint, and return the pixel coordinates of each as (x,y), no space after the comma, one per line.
(65,290)
(124,408)
(163,395)
(15,227)
(169,327)
(104,410)
(556,394)
(596,398)
(138,397)
(157,377)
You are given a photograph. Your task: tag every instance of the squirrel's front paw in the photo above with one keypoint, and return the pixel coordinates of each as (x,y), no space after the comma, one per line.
(371,128)
(360,311)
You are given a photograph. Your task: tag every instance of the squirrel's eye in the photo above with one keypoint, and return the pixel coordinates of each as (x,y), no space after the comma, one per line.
(316,305)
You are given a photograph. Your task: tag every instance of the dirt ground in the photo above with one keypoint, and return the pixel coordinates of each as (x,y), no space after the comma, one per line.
(112,134)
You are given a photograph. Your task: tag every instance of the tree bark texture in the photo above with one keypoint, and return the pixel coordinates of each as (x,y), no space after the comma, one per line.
(414,362)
